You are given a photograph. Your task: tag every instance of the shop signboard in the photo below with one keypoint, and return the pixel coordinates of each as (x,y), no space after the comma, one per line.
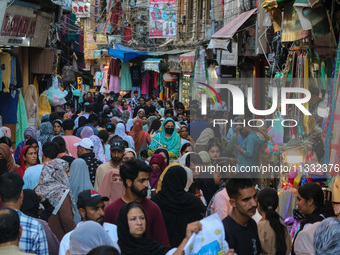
(81,9)
(23,26)
(230,58)
(162,19)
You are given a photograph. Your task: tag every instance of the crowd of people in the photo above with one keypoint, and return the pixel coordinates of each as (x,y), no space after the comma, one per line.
(121,177)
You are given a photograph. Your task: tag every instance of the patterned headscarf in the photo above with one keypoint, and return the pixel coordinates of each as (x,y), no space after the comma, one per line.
(53,182)
(6,131)
(46,132)
(126,116)
(31,131)
(98,149)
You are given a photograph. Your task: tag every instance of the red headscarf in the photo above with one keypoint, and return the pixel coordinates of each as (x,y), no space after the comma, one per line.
(154,176)
(139,136)
(21,170)
(109,188)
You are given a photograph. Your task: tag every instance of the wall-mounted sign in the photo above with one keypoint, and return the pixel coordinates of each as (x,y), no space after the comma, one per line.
(23,26)
(81,9)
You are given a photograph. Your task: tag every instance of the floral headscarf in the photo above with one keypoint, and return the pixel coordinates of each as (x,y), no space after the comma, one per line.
(98,149)
(53,182)
(126,116)
(46,132)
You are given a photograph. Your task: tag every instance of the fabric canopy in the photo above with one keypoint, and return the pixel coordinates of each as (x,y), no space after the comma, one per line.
(228,31)
(124,53)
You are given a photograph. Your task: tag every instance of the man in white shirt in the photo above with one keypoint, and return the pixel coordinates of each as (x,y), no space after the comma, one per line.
(91,207)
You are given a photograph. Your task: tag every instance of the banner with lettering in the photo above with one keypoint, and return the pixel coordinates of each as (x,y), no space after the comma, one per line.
(162,22)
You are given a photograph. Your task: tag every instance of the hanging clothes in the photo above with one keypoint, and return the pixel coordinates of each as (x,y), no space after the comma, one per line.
(32,106)
(8,105)
(98,78)
(145,83)
(125,80)
(21,118)
(13,71)
(6,70)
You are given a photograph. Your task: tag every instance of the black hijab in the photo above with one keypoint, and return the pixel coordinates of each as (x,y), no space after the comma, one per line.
(30,204)
(131,245)
(173,197)
(159,150)
(178,207)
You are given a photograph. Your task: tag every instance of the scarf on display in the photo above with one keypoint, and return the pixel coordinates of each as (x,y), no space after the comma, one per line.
(156,173)
(53,183)
(172,143)
(31,100)
(98,149)
(111,185)
(139,136)
(131,245)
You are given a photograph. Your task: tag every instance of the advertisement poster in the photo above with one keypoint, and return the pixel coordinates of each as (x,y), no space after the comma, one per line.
(162,19)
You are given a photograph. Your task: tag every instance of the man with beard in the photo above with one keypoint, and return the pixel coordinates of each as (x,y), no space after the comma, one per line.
(135,175)
(91,207)
(240,229)
(117,153)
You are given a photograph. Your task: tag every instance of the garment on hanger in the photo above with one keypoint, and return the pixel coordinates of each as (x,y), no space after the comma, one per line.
(98,78)
(6,70)
(125,80)
(135,75)
(145,83)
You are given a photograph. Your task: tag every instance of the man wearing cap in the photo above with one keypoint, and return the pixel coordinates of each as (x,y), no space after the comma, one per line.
(117,154)
(91,207)
(85,151)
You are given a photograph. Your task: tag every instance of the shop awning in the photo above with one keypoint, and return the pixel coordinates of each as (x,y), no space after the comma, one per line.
(170,52)
(228,31)
(124,53)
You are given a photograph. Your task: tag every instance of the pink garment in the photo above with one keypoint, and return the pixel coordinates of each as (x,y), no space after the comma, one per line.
(145,83)
(114,84)
(221,204)
(70,140)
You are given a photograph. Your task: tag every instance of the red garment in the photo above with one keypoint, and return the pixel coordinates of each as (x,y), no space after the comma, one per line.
(21,170)
(127,34)
(139,136)
(145,83)
(155,226)
(114,67)
(155,80)
(117,12)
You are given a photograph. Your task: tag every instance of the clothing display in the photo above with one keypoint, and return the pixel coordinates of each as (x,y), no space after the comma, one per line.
(145,83)
(125,79)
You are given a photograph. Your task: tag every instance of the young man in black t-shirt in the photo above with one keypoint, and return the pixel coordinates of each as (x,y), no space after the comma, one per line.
(240,229)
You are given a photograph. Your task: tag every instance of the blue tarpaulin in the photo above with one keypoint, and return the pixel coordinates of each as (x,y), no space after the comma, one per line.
(124,53)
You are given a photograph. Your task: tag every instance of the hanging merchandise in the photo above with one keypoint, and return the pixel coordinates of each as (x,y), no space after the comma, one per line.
(145,83)
(44,105)
(136,76)
(278,129)
(98,79)
(113,72)
(68,74)
(125,78)
(8,105)
(32,106)
(21,118)
(6,70)
(55,94)
(105,85)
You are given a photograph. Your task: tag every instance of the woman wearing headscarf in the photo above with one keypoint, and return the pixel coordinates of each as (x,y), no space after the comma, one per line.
(54,185)
(148,124)
(120,131)
(205,158)
(140,137)
(168,138)
(6,131)
(132,237)
(184,133)
(129,124)
(79,181)
(158,165)
(87,236)
(6,160)
(87,132)
(45,132)
(178,207)
(112,185)
(58,127)
(164,153)
(98,149)
(29,133)
(28,158)
(140,114)
(31,100)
